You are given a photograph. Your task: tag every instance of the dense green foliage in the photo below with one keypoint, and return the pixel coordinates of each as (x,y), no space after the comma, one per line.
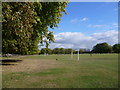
(25,25)
(46,51)
(102,48)
(116,48)
(62,51)
(55,51)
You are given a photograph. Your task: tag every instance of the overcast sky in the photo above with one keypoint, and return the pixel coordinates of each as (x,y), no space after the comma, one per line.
(87,24)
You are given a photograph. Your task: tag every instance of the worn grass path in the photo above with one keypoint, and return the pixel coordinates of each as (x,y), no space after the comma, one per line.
(97,71)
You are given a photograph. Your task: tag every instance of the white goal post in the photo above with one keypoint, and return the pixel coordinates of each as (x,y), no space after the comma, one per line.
(78,57)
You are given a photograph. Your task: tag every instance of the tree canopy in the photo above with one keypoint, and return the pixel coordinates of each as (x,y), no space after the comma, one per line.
(116,48)
(25,25)
(102,48)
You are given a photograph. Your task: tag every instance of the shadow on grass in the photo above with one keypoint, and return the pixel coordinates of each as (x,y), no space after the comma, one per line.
(9,62)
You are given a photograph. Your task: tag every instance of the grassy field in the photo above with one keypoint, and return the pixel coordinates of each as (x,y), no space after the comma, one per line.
(96,71)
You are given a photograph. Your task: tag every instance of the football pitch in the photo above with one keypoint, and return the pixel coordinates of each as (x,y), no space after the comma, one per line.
(61,71)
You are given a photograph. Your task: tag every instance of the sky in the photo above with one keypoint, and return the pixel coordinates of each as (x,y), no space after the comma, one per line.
(86,24)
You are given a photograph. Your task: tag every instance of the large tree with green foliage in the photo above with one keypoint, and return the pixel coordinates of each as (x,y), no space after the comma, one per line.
(46,51)
(102,48)
(116,48)
(25,24)
(56,50)
(68,51)
(62,51)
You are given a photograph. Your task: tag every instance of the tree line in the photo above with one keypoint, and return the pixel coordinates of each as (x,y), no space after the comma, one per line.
(106,48)
(98,48)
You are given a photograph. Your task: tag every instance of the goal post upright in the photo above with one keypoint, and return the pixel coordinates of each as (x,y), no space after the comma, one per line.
(78,55)
(71,54)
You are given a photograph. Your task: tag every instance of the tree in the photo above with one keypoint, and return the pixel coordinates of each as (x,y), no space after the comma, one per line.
(46,50)
(62,51)
(56,50)
(49,51)
(25,24)
(68,51)
(81,51)
(43,50)
(102,48)
(116,48)
(16,27)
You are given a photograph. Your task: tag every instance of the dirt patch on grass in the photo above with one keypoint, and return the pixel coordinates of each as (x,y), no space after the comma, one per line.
(32,66)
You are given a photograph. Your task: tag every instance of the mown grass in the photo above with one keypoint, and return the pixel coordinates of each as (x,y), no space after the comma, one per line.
(96,71)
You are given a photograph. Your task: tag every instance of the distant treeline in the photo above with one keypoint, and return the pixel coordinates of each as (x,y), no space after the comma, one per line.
(99,48)
(62,51)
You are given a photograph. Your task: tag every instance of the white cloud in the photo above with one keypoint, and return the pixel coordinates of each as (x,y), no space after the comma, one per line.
(110,37)
(84,19)
(76,20)
(109,26)
(79,40)
(97,26)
